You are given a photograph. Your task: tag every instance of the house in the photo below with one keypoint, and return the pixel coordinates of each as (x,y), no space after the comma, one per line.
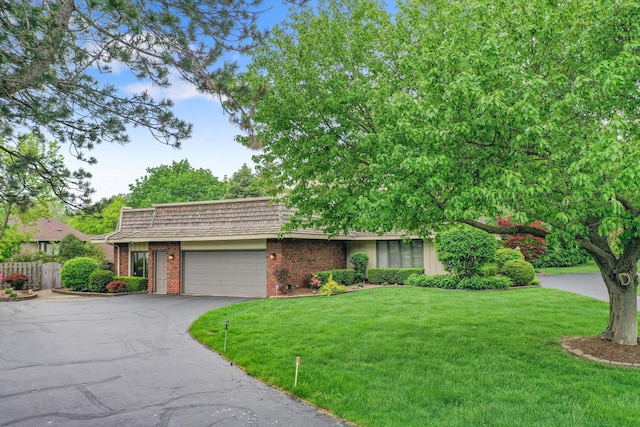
(233,248)
(45,235)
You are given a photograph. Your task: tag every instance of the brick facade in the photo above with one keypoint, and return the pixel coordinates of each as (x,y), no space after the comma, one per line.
(173,265)
(303,257)
(122,264)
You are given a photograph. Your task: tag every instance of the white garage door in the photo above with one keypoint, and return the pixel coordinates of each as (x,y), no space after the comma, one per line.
(227,273)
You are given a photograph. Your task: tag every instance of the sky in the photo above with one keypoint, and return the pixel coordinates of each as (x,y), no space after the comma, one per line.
(211,146)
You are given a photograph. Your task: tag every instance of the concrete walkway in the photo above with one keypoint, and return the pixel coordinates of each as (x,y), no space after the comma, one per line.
(128,361)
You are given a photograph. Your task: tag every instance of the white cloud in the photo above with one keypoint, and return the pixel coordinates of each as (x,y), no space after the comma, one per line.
(178,91)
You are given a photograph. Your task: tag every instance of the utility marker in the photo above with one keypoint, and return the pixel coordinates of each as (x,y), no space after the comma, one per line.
(295,381)
(226,329)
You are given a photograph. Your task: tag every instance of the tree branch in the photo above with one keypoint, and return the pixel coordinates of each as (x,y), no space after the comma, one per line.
(514,229)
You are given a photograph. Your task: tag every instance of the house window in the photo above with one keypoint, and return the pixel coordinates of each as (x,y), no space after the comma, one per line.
(399,254)
(49,248)
(139,263)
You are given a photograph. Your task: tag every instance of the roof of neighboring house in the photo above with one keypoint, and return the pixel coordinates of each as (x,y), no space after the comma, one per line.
(51,230)
(213,220)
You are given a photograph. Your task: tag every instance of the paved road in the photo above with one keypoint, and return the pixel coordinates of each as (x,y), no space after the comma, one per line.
(128,361)
(588,284)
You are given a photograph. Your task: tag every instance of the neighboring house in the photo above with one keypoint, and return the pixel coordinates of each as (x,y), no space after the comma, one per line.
(47,233)
(232,248)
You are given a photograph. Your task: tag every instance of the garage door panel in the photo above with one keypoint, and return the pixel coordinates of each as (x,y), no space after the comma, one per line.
(229,273)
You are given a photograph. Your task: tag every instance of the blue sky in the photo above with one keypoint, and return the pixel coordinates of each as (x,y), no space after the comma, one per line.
(212,145)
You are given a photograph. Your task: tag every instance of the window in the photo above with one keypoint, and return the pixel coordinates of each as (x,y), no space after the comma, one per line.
(139,262)
(399,254)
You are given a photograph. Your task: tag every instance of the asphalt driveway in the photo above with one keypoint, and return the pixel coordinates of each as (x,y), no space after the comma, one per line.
(128,361)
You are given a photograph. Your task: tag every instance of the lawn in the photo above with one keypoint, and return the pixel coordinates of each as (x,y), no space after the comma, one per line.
(414,357)
(588,267)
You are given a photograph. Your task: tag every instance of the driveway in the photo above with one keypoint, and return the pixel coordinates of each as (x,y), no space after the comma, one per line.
(587,284)
(128,361)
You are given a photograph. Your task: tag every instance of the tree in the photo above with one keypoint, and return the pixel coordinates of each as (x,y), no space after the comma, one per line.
(100,218)
(53,53)
(33,173)
(243,183)
(179,182)
(454,111)
(72,247)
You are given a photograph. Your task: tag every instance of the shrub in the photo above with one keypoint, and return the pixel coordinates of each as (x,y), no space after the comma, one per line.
(360,260)
(75,273)
(519,271)
(116,286)
(332,287)
(390,276)
(416,280)
(134,283)
(344,276)
(483,283)
(507,254)
(443,281)
(561,256)
(463,251)
(490,269)
(282,276)
(314,282)
(16,281)
(99,279)
(532,247)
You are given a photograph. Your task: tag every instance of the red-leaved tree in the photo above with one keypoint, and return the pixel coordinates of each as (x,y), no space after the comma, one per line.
(532,247)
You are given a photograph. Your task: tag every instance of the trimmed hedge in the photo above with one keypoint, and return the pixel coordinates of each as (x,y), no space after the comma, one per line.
(463,251)
(519,271)
(381,276)
(345,276)
(99,279)
(449,281)
(559,256)
(75,273)
(489,269)
(507,254)
(134,283)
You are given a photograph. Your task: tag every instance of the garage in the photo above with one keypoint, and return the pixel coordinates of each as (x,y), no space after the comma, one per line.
(228,273)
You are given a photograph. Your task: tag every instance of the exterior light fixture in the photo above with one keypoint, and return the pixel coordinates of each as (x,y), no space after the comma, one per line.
(171,256)
(272,255)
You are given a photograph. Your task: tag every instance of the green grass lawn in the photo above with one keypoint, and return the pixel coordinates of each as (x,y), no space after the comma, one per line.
(415,357)
(588,267)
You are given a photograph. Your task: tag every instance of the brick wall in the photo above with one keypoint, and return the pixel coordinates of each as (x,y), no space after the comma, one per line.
(123,264)
(303,257)
(173,265)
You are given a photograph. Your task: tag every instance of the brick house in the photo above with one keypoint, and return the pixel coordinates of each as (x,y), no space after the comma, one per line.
(233,248)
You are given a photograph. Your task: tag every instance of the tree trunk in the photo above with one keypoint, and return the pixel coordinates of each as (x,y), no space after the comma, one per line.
(623,307)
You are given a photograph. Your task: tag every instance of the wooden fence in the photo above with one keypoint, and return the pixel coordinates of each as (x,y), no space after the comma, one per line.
(43,276)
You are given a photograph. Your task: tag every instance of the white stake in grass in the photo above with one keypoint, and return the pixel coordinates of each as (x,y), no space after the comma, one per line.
(295,381)
(226,329)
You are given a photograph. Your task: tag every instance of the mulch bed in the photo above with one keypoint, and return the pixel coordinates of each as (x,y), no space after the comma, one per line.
(20,295)
(600,350)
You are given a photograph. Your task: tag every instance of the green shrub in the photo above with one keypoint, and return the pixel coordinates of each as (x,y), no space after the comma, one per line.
(75,273)
(483,283)
(507,254)
(16,281)
(490,269)
(134,283)
(116,286)
(344,276)
(332,287)
(463,251)
(390,276)
(99,279)
(360,260)
(417,280)
(443,281)
(558,255)
(519,271)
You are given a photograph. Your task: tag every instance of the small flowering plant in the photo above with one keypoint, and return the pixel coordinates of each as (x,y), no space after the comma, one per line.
(314,282)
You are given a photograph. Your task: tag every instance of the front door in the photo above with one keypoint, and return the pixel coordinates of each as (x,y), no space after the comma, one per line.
(160,273)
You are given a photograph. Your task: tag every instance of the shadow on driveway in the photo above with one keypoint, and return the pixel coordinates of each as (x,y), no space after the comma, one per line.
(128,361)
(587,284)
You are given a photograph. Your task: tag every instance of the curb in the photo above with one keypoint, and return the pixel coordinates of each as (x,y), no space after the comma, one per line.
(94,294)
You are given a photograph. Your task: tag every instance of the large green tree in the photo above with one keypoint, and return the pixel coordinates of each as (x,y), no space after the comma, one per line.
(243,183)
(55,56)
(100,218)
(33,173)
(452,111)
(178,182)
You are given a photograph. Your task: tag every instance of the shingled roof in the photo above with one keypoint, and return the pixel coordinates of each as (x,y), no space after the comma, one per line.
(212,220)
